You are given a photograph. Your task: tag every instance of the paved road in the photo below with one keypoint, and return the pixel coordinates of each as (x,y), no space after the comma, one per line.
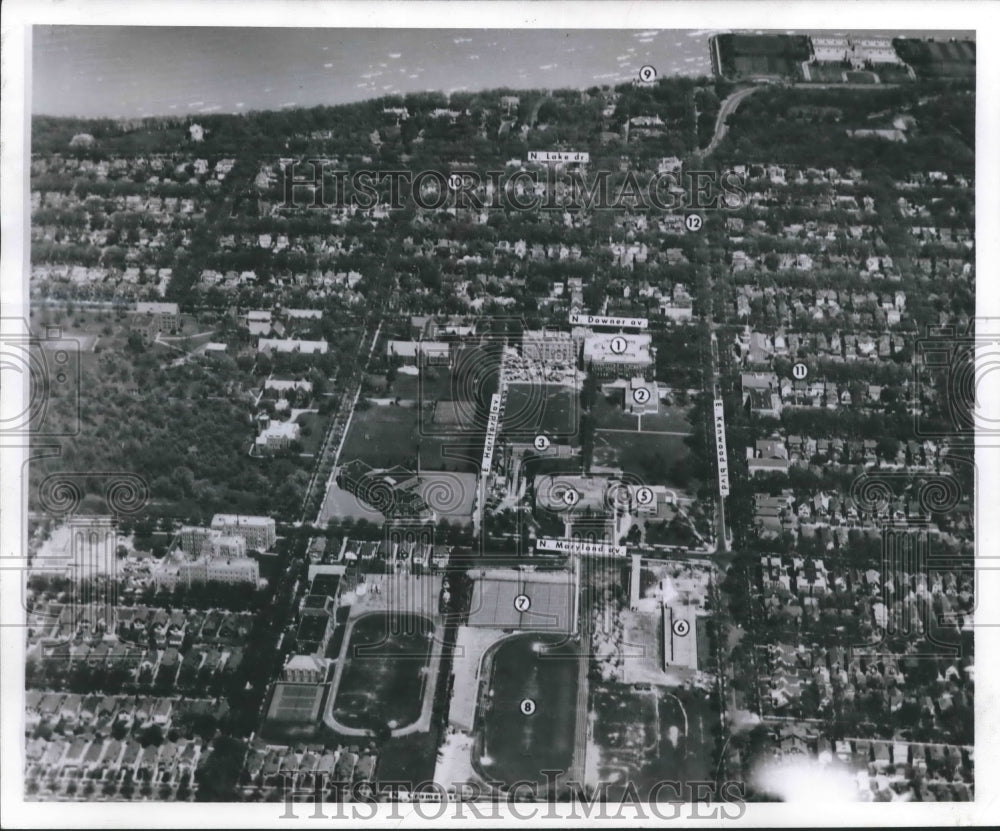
(728,107)
(732,102)
(337,434)
(579,772)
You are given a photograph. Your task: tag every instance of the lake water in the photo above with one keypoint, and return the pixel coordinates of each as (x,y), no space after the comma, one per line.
(131,72)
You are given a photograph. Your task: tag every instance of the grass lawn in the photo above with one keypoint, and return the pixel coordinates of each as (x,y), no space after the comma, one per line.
(541,408)
(861,78)
(433,384)
(668,419)
(826,73)
(462,453)
(382,436)
(608,414)
(646,455)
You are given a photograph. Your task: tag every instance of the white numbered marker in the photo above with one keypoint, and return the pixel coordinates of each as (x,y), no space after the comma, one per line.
(528,707)
(645,496)
(455,181)
(619,345)
(800,371)
(522,602)
(641,395)
(542,443)
(693,222)
(571,497)
(681,628)
(647,73)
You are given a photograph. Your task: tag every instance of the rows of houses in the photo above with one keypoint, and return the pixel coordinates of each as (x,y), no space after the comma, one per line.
(68,768)
(882,770)
(279,766)
(69,713)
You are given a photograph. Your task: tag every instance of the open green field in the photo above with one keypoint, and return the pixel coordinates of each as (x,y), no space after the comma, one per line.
(764,65)
(541,408)
(608,414)
(826,73)
(935,58)
(383,436)
(862,78)
(748,55)
(647,455)
(461,453)
(432,384)
(890,74)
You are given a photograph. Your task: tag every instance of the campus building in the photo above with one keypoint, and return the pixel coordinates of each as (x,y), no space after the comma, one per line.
(160,316)
(277,436)
(197,542)
(258,531)
(291,345)
(549,347)
(420,353)
(208,569)
(618,356)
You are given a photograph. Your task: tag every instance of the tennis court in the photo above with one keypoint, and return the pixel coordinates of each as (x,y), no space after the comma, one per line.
(498,601)
(298,703)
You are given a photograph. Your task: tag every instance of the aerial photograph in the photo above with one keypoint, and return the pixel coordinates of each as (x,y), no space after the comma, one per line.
(487,417)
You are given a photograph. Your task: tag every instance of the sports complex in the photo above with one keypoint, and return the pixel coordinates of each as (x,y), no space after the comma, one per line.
(517,676)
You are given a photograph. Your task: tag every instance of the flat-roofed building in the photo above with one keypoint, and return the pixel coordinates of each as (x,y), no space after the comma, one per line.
(162,316)
(277,436)
(549,346)
(620,356)
(227,545)
(291,345)
(564,492)
(258,531)
(304,669)
(642,397)
(680,641)
(194,540)
(284,385)
(228,570)
(830,49)
(420,352)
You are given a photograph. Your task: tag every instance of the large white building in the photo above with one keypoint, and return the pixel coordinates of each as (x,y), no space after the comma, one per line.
(228,570)
(277,435)
(856,50)
(258,531)
(417,353)
(622,356)
(549,346)
(197,542)
(165,316)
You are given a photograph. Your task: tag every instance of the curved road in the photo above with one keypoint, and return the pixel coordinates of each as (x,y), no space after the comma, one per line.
(734,99)
(727,108)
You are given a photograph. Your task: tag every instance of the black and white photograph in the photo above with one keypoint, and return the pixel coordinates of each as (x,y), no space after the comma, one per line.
(499,413)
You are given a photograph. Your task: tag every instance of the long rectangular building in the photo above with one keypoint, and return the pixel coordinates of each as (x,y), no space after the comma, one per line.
(617,355)
(258,531)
